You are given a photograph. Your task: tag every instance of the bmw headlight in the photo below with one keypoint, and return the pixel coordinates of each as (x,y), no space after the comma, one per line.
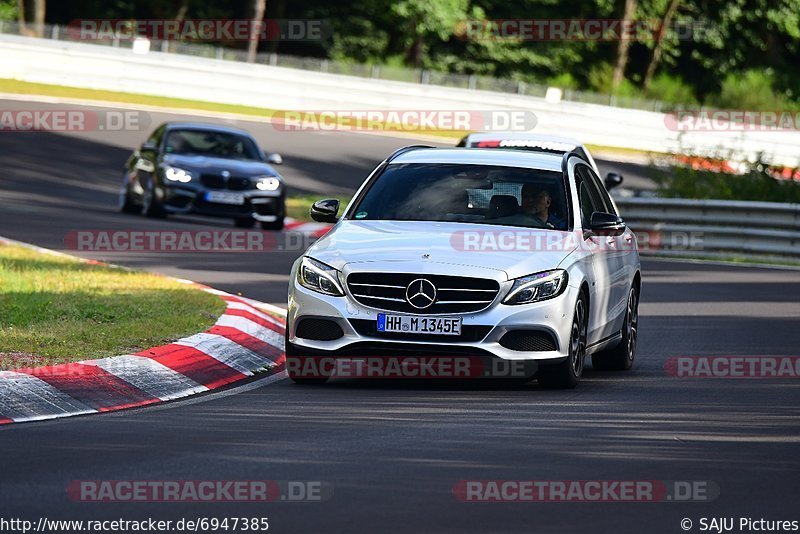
(174,174)
(537,287)
(319,277)
(268,183)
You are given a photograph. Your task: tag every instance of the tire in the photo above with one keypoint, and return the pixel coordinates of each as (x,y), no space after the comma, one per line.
(244,222)
(567,374)
(621,357)
(126,205)
(152,206)
(294,362)
(276,225)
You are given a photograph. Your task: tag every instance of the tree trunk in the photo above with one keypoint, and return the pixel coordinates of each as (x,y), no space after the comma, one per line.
(278,10)
(624,45)
(180,16)
(39,9)
(23,28)
(259,7)
(415,54)
(657,49)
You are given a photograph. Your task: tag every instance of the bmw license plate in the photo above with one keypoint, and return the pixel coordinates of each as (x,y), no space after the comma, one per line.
(222,197)
(409,324)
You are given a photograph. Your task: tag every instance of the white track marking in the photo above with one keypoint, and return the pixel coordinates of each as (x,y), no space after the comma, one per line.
(226,351)
(27,398)
(150,376)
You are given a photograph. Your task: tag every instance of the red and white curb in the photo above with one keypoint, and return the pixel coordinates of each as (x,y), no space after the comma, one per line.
(248,338)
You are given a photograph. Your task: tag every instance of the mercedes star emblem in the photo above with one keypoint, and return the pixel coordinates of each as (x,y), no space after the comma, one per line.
(421,293)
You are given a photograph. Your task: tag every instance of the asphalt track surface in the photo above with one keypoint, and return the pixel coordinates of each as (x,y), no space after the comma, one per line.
(393,451)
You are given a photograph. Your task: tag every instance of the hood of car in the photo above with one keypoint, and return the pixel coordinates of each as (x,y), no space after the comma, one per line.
(442,247)
(205,164)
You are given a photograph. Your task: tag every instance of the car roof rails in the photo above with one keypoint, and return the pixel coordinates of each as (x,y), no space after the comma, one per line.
(401,151)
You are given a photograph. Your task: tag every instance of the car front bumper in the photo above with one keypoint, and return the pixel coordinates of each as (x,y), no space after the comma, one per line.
(552,316)
(266,206)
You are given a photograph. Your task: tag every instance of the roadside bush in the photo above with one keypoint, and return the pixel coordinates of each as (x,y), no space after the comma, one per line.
(565,80)
(751,90)
(601,79)
(755,185)
(671,89)
(8,10)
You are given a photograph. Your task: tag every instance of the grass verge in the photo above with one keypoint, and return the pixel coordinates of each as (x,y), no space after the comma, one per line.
(299,206)
(61,310)
(58,91)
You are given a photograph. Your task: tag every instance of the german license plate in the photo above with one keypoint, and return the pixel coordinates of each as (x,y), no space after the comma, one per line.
(222,197)
(409,324)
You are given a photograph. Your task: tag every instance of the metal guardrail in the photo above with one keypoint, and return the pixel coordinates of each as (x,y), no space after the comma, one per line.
(714,228)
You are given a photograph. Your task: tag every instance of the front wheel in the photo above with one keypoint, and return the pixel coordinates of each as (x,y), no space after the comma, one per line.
(275,225)
(278,223)
(152,205)
(621,357)
(125,203)
(567,374)
(244,222)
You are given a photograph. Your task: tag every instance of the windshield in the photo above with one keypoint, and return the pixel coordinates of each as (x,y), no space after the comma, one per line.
(211,143)
(503,196)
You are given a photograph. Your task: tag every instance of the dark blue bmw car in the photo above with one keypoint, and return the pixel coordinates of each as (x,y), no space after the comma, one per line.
(207,170)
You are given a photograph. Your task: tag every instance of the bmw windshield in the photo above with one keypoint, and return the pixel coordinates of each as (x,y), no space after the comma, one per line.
(212,144)
(483,194)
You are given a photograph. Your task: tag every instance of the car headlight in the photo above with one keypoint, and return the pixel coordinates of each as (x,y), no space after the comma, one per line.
(174,174)
(319,277)
(268,183)
(537,287)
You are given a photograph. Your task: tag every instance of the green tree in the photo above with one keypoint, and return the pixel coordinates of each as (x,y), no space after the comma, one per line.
(8,10)
(423,20)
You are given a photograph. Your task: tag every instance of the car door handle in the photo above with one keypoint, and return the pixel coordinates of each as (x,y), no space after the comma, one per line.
(628,238)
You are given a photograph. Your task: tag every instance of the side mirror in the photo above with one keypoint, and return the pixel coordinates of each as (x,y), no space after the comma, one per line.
(606,223)
(325,211)
(612,180)
(148,146)
(275,159)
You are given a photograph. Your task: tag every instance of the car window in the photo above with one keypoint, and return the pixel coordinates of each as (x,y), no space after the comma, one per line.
(211,143)
(588,196)
(503,196)
(601,190)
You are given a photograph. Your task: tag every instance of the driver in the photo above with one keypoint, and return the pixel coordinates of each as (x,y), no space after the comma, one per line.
(536,203)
